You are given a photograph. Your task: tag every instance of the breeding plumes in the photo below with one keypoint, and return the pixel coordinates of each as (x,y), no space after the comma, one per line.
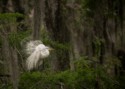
(37,51)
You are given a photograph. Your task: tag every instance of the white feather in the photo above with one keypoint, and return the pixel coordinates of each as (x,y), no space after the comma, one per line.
(30,47)
(37,53)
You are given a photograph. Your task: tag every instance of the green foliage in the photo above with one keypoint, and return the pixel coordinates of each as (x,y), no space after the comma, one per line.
(37,80)
(16,38)
(84,77)
(9,22)
(121,84)
(89,7)
(54,44)
(6,86)
(10,17)
(97,46)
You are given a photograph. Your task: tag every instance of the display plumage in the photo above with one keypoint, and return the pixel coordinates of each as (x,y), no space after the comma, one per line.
(37,51)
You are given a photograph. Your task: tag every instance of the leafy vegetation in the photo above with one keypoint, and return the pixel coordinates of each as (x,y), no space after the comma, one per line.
(85,77)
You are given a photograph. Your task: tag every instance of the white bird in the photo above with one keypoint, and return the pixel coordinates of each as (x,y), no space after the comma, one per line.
(37,51)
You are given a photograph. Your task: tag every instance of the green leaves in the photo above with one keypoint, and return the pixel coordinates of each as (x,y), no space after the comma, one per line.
(84,77)
(10,16)
(16,38)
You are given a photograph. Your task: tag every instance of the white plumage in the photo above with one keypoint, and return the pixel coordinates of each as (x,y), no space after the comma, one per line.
(37,52)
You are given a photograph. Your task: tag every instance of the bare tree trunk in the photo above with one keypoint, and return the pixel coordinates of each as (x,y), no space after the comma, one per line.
(38,18)
(15,68)
(11,62)
(6,51)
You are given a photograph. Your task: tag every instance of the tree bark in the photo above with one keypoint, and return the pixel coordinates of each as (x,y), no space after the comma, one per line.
(37,18)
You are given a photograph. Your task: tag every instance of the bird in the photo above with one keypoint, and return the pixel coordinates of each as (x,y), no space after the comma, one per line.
(37,51)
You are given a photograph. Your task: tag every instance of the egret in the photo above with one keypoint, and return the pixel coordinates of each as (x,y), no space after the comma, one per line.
(37,51)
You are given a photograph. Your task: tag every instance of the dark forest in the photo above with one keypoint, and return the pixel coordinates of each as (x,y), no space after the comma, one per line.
(84,44)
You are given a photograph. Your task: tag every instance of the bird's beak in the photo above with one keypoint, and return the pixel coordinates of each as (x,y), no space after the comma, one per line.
(51,49)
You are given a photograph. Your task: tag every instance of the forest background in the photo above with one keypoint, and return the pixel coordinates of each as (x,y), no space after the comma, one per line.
(87,37)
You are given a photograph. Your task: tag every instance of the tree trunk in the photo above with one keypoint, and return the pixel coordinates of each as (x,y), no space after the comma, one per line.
(55,22)
(11,62)
(38,18)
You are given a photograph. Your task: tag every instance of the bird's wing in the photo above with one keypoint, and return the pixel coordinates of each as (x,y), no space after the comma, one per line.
(31,46)
(32,60)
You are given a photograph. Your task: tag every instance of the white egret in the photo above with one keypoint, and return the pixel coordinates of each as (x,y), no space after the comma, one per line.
(37,51)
